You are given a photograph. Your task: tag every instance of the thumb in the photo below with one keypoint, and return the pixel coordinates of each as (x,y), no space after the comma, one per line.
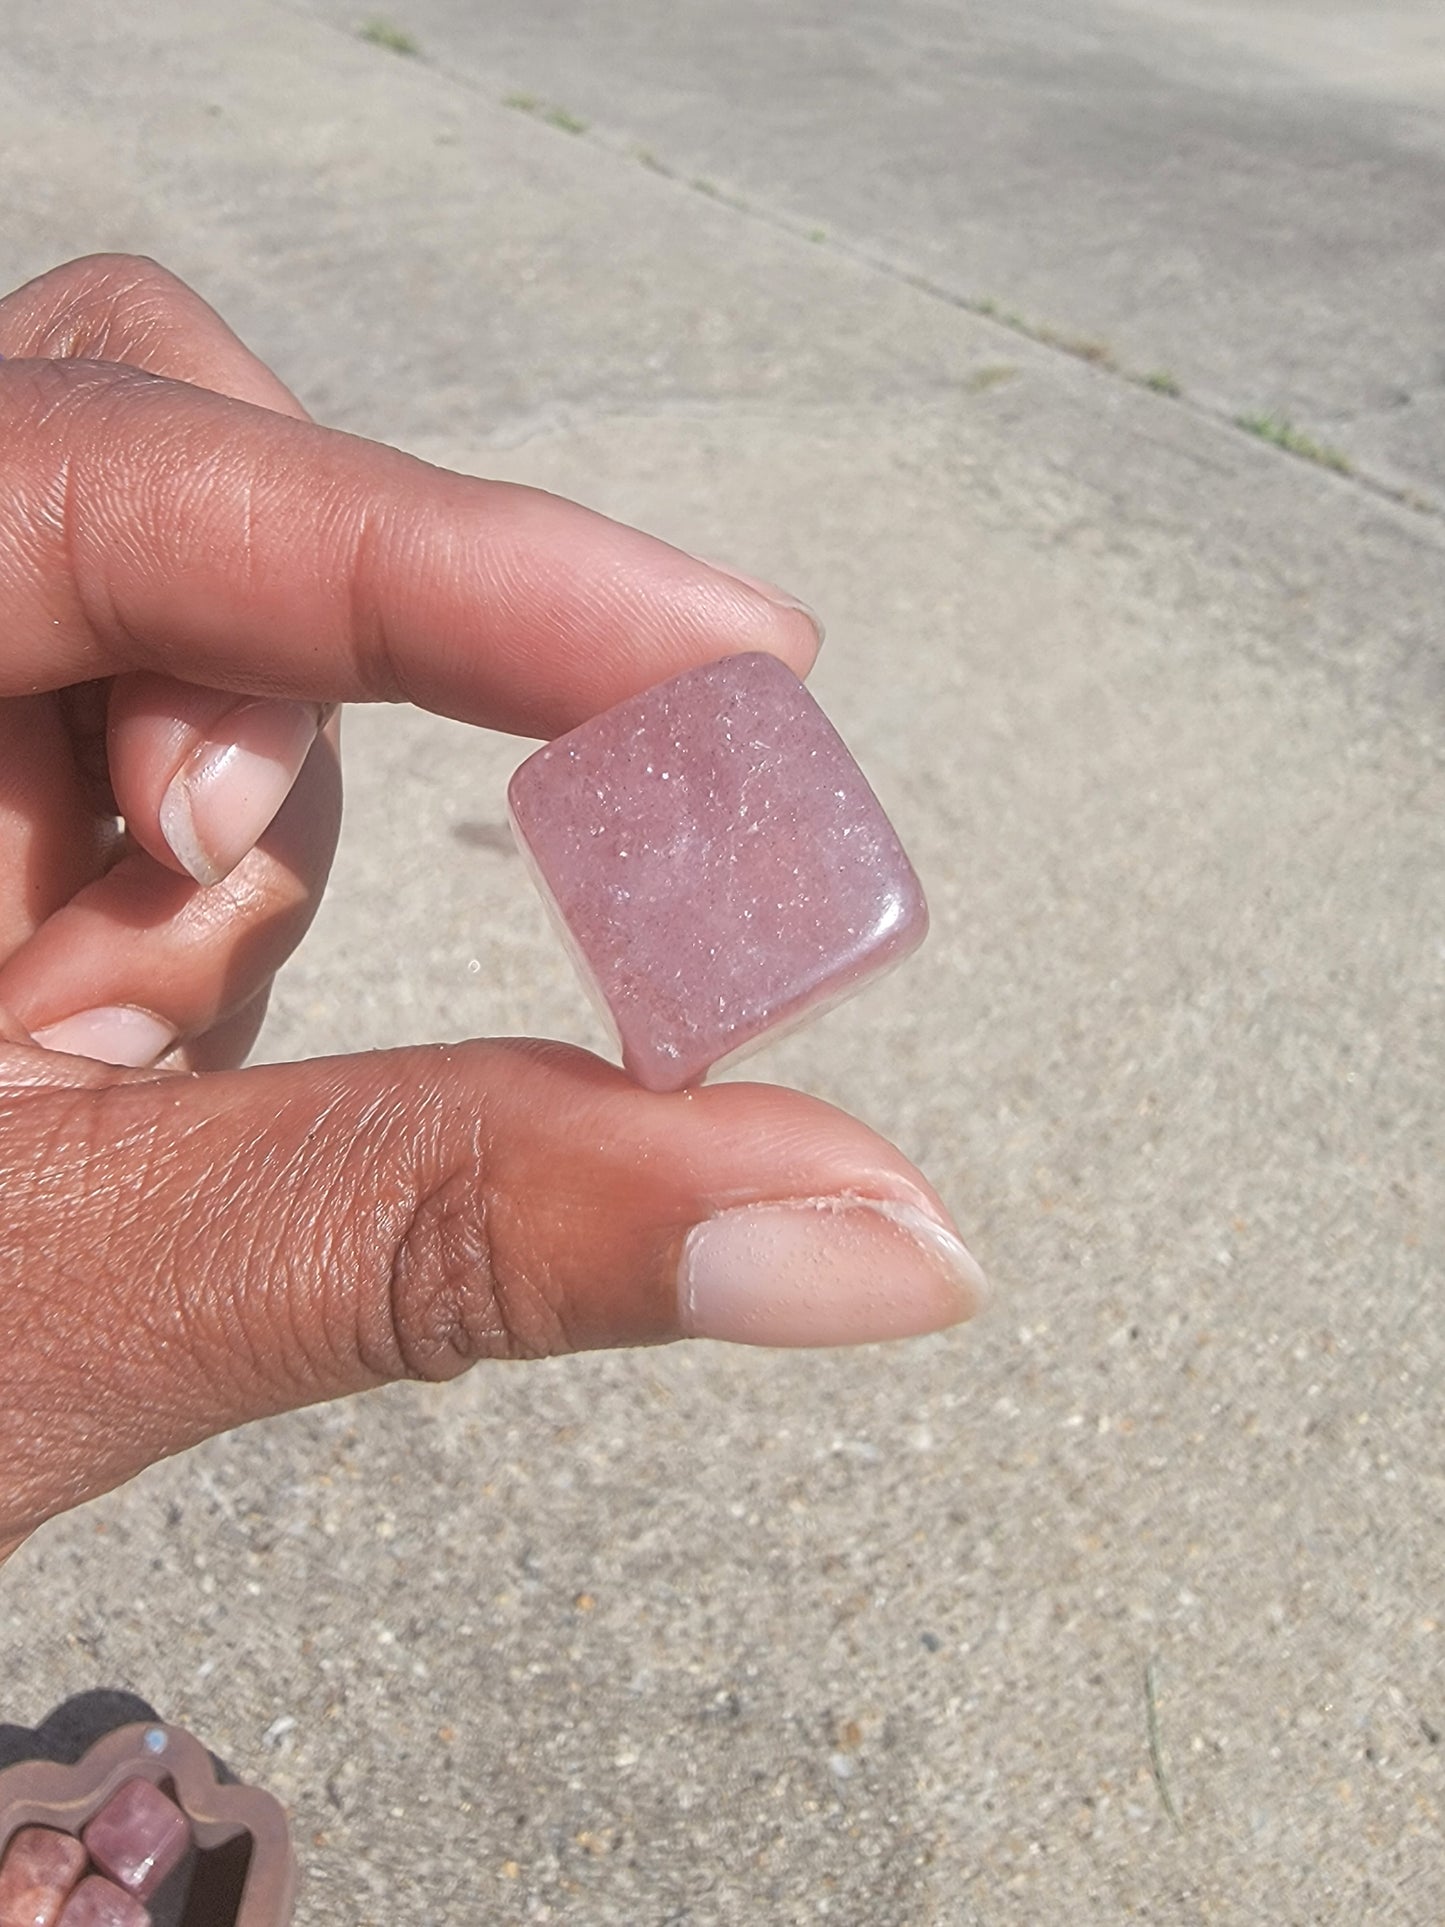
(191,1253)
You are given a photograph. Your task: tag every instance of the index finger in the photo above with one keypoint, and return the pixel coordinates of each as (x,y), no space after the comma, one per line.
(149,525)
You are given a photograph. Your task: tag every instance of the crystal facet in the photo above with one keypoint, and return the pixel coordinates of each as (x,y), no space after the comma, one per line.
(717,862)
(138,1837)
(98,1902)
(40,1868)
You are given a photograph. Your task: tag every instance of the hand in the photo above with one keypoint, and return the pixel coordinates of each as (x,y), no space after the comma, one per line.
(192,576)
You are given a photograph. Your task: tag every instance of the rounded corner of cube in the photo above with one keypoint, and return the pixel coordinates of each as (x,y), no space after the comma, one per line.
(918,919)
(651,1071)
(517,786)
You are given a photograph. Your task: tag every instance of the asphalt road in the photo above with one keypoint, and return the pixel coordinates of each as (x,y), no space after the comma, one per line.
(1125,1602)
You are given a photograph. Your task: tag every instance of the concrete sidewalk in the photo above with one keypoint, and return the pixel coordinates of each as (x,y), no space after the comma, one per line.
(1124,1603)
(1240,200)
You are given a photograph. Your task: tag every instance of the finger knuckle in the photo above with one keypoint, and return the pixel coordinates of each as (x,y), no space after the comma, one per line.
(57,411)
(108,306)
(459,1287)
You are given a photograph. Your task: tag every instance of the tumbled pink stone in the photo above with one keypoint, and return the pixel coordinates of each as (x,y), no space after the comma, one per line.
(718,864)
(138,1837)
(98,1902)
(39,1869)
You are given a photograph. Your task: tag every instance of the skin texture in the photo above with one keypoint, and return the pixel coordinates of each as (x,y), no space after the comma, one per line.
(188,1245)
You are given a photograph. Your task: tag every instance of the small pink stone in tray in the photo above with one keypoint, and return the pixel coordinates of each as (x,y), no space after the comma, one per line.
(718,864)
(39,1869)
(100,1903)
(138,1837)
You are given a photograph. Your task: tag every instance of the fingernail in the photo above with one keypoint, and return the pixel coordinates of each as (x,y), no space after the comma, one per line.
(780,598)
(111,1034)
(225,794)
(824,1271)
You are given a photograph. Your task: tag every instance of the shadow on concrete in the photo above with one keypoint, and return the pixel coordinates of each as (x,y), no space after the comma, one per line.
(73,1727)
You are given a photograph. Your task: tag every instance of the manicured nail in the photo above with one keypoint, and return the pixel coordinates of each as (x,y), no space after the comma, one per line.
(824,1271)
(780,598)
(225,794)
(111,1034)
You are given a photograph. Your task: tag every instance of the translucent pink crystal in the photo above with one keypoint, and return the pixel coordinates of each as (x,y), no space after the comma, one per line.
(718,864)
(100,1903)
(138,1837)
(39,1869)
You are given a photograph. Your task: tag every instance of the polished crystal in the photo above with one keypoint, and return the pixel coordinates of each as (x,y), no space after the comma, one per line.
(138,1837)
(718,865)
(98,1902)
(39,1869)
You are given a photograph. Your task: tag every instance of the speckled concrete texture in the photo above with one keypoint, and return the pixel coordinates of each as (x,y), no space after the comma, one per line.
(1124,1603)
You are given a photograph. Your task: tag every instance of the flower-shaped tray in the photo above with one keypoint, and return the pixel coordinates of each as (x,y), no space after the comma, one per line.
(244,1870)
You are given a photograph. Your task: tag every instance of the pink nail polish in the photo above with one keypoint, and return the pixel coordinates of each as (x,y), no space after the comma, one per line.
(718,865)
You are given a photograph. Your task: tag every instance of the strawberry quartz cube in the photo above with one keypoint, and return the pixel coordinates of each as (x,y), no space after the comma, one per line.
(138,1837)
(100,1903)
(717,863)
(40,1868)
